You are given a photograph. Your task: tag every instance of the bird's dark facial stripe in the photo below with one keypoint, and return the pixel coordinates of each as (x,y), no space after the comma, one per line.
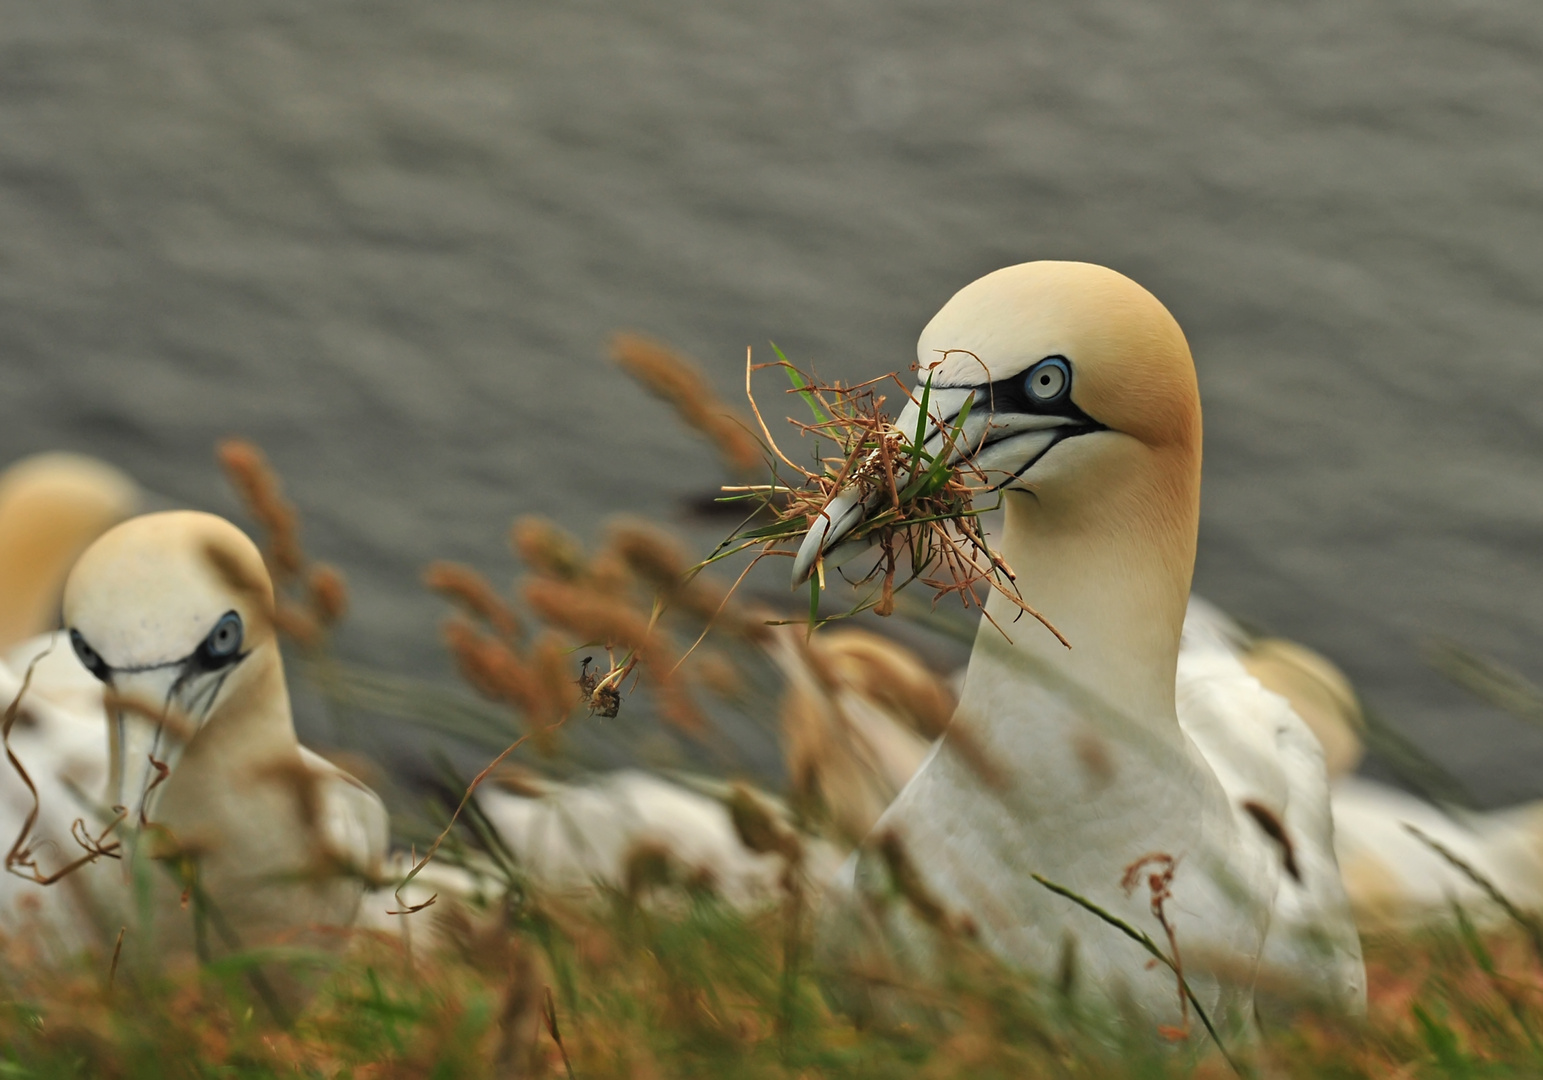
(1011,395)
(1061,435)
(220,649)
(89,658)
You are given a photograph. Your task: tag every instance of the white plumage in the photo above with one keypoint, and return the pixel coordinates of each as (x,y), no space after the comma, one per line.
(268,842)
(1098,764)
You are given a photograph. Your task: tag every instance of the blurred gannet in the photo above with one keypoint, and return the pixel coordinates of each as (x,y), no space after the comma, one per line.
(1086,415)
(172,612)
(852,716)
(1394,879)
(573,837)
(51,506)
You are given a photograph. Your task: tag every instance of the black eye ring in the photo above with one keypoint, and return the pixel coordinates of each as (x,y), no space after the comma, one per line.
(1049,380)
(89,658)
(224,641)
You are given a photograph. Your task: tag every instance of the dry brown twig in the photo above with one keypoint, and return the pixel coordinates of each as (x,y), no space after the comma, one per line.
(1160,889)
(21,859)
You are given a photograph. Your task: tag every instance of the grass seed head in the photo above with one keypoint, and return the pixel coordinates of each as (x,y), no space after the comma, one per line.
(260,488)
(759,827)
(673,379)
(547,549)
(463,586)
(907,881)
(329,594)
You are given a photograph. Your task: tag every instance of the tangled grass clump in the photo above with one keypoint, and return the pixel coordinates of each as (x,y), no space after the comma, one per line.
(921,504)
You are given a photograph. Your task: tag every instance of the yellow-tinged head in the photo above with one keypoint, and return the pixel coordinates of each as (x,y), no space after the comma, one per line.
(51,506)
(1126,366)
(150,592)
(1080,391)
(173,611)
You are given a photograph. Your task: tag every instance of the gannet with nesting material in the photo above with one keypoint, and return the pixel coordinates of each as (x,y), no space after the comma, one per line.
(1086,414)
(173,612)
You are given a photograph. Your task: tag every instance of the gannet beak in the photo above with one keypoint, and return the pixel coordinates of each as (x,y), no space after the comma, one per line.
(152,713)
(1002,438)
(846,510)
(841,515)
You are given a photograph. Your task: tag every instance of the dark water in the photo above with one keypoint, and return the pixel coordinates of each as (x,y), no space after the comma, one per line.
(389,240)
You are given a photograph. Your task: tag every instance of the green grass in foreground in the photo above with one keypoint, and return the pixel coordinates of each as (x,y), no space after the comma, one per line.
(685,987)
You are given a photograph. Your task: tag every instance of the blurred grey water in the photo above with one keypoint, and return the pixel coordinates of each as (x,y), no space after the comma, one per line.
(389,240)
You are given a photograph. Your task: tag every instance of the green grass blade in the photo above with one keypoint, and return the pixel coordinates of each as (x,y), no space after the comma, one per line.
(921,421)
(937,473)
(1150,946)
(1524,921)
(801,386)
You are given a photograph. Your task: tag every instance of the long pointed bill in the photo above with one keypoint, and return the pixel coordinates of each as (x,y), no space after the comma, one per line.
(1002,446)
(150,725)
(847,509)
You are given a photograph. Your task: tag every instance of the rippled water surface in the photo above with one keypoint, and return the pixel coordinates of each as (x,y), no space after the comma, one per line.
(389,241)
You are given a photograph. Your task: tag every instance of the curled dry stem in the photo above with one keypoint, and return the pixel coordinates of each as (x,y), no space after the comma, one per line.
(21,859)
(404,907)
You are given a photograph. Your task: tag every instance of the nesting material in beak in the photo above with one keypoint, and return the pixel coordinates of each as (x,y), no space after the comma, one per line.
(907,485)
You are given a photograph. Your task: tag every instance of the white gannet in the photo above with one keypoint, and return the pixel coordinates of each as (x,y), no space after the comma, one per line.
(1395,880)
(173,612)
(52,505)
(1086,414)
(574,837)
(852,714)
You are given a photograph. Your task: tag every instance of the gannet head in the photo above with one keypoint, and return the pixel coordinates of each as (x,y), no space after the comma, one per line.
(51,506)
(1079,383)
(173,612)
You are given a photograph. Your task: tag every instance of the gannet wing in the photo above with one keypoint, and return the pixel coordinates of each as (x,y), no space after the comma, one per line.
(1271,767)
(1313,928)
(352,820)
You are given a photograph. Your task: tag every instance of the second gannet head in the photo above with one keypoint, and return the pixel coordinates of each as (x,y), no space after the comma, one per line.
(173,612)
(51,506)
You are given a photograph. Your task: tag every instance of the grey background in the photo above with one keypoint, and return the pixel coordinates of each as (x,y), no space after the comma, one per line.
(389,241)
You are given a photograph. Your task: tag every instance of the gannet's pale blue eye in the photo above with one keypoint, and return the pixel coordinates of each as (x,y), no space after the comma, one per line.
(1047,380)
(225,639)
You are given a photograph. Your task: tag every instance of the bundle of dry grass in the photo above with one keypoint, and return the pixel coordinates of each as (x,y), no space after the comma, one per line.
(921,514)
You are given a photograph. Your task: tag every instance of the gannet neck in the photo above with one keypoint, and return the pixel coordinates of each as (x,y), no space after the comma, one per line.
(1111,569)
(253,722)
